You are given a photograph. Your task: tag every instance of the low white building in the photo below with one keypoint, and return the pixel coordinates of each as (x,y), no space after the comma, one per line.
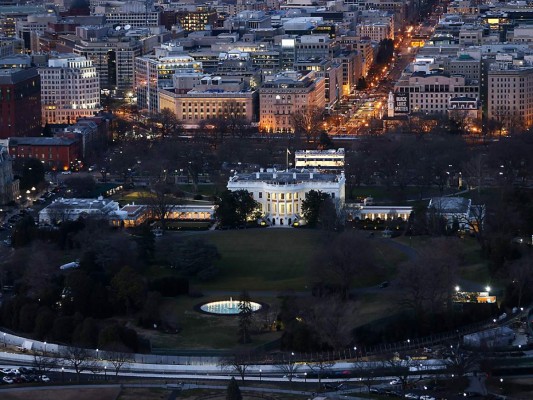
(361,211)
(459,209)
(280,193)
(72,209)
(321,159)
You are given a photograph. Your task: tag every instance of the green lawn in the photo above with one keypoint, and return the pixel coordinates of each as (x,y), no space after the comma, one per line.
(205,189)
(202,331)
(264,259)
(275,260)
(380,193)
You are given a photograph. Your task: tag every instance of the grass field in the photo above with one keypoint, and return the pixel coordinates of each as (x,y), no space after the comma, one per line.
(264,259)
(380,193)
(203,331)
(268,262)
(205,189)
(275,259)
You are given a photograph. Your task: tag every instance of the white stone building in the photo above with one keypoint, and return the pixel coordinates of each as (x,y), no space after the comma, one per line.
(72,209)
(280,193)
(458,209)
(321,159)
(70,89)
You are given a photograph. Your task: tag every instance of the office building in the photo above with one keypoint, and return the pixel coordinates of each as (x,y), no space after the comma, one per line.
(20,102)
(70,89)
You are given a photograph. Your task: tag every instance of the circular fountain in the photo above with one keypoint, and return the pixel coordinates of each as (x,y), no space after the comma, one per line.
(226,307)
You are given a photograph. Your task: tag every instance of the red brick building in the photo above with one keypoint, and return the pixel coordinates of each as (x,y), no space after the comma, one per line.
(55,152)
(20,102)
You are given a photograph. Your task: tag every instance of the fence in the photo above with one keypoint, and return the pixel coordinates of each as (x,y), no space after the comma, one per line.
(264,354)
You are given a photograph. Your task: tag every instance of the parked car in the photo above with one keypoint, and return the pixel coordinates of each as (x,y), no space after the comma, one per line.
(7,379)
(10,371)
(44,378)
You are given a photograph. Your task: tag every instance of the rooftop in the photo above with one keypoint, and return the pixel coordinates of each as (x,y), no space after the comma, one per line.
(450,205)
(88,204)
(41,141)
(286,177)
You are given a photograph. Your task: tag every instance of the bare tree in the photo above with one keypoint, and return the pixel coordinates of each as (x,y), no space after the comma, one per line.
(462,362)
(79,359)
(331,319)
(521,275)
(309,122)
(160,202)
(288,367)
(400,369)
(167,122)
(117,358)
(320,367)
(348,256)
(43,363)
(239,362)
(428,279)
(366,373)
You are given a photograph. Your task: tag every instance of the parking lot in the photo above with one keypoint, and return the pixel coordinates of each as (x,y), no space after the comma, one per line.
(22,375)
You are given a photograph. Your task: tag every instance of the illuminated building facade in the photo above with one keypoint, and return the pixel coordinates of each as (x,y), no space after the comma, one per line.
(287,94)
(197,20)
(154,73)
(70,89)
(114,60)
(280,193)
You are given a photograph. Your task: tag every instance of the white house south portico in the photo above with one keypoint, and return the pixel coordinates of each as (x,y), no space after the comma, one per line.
(280,193)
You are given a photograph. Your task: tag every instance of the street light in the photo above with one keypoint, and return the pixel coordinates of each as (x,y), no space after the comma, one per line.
(62,374)
(105,372)
(260,371)
(457,288)
(487,288)
(305,377)
(44,347)
(97,354)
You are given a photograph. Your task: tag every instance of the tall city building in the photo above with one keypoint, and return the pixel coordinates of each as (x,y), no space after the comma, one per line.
(153,73)
(510,95)
(113,58)
(197,20)
(20,102)
(70,89)
(287,94)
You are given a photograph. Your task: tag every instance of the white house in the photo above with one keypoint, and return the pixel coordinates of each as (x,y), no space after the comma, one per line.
(281,193)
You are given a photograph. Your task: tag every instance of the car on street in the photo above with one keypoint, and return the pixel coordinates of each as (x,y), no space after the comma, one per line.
(44,378)
(396,382)
(7,379)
